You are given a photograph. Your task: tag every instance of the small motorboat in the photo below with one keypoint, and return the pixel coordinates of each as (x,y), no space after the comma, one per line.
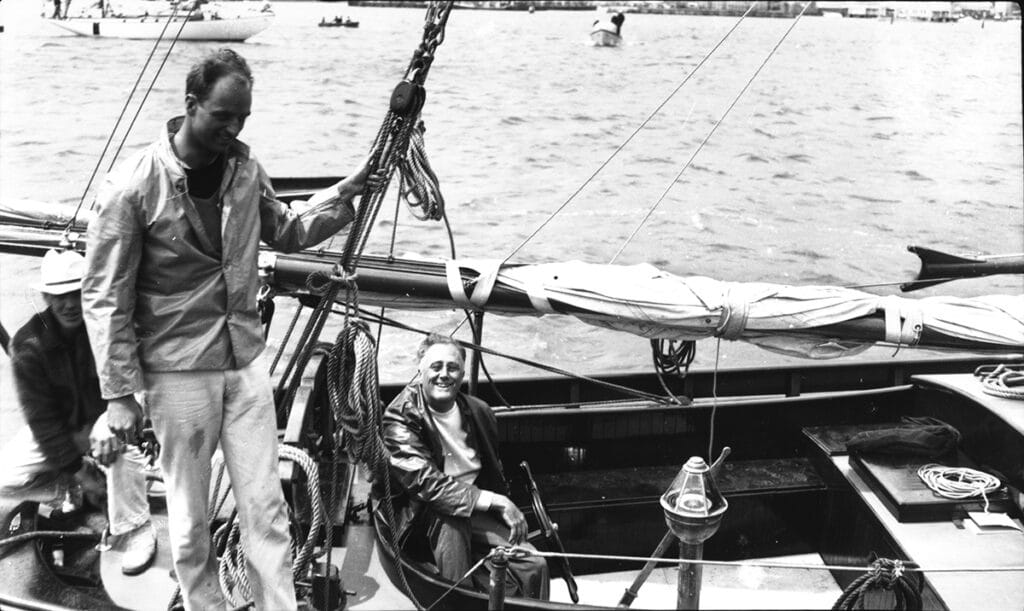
(607,33)
(338,22)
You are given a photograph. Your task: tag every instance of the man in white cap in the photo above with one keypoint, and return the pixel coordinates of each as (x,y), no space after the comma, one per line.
(58,389)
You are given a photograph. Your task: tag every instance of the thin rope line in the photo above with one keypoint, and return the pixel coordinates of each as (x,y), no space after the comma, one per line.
(766,564)
(117,123)
(710,133)
(149,90)
(714,402)
(536,364)
(456,584)
(631,136)
(911,282)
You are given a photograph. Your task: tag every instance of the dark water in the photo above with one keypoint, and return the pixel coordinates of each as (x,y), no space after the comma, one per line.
(857,139)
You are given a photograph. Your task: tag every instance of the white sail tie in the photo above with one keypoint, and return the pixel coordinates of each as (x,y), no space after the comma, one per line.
(539,298)
(735,310)
(488,275)
(903,321)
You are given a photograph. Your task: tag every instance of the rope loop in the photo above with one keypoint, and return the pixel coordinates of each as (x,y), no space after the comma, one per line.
(516,552)
(959,482)
(1006,381)
(882,574)
(319,283)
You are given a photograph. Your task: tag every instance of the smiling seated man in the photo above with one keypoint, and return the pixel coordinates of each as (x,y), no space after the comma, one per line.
(59,392)
(444,456)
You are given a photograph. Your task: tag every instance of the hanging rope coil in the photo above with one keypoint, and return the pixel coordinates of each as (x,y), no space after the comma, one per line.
(419,186)
(959,482)
(353,387)
(883,574)
(673,357)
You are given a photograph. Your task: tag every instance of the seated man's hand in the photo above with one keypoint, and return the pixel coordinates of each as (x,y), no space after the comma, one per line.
(512,516)
(124,417)
(103,444)
(91,479)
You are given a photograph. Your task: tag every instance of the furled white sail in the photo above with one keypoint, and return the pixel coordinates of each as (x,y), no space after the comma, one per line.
(649,302)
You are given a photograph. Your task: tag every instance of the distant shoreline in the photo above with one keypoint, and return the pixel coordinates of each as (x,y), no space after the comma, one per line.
(777,10)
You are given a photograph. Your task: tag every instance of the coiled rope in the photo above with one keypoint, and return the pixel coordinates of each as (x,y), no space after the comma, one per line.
(673,357)
(419,186)
(1006,381)
(959,482)
(227,542)
(883,574)
(353,386)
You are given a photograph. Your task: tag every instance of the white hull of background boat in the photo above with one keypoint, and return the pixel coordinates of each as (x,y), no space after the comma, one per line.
(605,38)
(151,28)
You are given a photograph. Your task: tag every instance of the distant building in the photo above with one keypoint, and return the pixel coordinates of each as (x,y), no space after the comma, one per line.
(919,11)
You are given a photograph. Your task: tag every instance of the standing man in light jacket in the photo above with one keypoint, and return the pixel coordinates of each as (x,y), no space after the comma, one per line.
(171,309)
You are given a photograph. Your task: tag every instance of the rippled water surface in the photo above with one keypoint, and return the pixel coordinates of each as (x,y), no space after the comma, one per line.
(857,139)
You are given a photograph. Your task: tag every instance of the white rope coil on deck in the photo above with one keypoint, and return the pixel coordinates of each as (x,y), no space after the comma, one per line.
(1002,381)
(958,482)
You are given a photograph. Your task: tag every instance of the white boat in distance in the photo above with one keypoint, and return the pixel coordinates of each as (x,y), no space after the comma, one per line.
(607,33)
(604,35)
(234,29)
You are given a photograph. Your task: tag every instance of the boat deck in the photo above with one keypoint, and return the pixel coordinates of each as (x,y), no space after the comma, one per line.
(723,587)
(943,544)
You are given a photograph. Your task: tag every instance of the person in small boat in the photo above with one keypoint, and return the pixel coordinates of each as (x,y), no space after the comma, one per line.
(444,456)
(617,21)
(55,379)
(171,306)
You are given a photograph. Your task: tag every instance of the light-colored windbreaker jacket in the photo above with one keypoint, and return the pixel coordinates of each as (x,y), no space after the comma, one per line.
(156,296)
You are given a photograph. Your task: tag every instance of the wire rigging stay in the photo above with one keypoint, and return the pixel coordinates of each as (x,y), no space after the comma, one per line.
(124,109)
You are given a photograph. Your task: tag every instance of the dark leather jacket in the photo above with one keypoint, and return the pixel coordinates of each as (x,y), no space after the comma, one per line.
(57,386)
(417,458)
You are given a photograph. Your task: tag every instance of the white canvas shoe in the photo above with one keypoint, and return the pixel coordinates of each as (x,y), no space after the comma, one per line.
(139,549)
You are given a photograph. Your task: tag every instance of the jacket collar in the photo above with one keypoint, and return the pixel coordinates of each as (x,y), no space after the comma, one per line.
(237,153)
(237,150)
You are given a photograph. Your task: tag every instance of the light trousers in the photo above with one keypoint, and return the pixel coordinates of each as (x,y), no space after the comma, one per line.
(192,412)
(28,475)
